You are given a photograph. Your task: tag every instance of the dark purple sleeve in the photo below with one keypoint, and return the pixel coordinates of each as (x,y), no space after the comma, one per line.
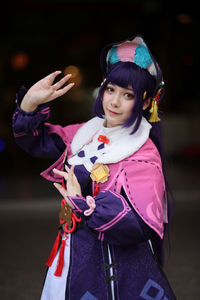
(114,220)
(30,133)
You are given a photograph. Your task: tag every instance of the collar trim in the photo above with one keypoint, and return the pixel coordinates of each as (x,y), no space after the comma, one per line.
(121,144)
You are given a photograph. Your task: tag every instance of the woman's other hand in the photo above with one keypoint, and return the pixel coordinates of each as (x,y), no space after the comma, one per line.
(73,186)
(45,91)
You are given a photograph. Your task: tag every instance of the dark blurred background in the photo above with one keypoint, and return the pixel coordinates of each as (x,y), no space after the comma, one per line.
(39,37)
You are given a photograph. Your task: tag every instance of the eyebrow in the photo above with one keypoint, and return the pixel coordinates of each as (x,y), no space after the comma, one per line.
(128,89)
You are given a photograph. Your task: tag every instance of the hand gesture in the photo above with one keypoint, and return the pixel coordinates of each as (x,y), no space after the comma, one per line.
(73,186)
(45,91)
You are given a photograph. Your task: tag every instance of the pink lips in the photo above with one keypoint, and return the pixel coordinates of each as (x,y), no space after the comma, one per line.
(113,112)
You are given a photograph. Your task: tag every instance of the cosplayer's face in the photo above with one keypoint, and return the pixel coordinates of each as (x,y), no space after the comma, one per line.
(117,104)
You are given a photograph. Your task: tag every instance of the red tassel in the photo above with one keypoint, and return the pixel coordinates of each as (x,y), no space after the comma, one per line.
(96,190)
(60,264)
(53,251)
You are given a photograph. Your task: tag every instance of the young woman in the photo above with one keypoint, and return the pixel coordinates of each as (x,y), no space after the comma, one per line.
(114,207)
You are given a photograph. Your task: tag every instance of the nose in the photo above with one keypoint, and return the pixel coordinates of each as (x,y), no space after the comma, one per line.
(115,102)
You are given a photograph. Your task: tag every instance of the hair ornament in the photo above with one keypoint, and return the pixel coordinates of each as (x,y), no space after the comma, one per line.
(103,81)
(154,105)
(135,50)
(144,95)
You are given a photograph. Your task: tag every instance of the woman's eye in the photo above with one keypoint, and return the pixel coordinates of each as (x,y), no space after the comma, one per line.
(129,96)
(109,89)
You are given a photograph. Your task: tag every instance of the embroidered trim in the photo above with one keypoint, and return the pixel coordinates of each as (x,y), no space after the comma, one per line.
(35,132)
(146,162)
(118,217)
(74,203)
(19,134)
(14,115)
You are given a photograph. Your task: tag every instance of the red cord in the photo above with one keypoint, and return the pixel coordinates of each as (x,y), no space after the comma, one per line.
(53,251)
(60,264)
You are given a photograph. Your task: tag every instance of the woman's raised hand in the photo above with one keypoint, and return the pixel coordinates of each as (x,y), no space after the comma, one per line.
(45,91)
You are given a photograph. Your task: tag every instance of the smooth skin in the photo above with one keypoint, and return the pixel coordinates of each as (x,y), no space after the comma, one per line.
(73,186)
(117,104)
(45,91)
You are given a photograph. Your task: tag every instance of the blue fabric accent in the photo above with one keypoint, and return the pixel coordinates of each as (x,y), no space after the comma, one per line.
(142,57)
(101,146)
(88,296)
(113,58)
(152,291)
(81,154)
(93,159)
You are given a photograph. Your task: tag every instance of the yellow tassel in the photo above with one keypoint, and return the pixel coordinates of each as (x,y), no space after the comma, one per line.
(151,109)
(154,112)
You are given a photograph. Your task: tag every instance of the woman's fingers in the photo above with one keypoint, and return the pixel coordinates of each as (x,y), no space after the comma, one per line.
(70,170)
(71,176)
(61,82)
(51,77)
(68,175)
(61,173)
(63,192)
(61,189)
(63,91)
(67,168)
(73,186)
(50,91)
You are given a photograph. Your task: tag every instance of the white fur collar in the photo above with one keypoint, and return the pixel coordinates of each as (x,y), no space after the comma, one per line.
(121,144)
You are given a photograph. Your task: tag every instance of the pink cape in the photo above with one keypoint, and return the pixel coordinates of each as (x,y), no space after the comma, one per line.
(140,175)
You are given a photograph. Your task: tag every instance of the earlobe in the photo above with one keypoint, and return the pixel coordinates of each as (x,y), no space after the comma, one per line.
(147,103)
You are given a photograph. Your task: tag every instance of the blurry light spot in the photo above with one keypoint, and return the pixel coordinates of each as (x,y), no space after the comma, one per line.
(2,145)
(184,18)
(76,74)
(95,92)
(20,60)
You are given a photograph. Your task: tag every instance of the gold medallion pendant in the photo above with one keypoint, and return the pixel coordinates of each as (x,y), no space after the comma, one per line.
(100,173)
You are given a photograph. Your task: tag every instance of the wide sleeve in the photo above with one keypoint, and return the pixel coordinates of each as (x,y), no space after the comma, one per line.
(111,216)
(32,134)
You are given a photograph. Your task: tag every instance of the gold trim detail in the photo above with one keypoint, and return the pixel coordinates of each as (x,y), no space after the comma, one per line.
(100,173)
